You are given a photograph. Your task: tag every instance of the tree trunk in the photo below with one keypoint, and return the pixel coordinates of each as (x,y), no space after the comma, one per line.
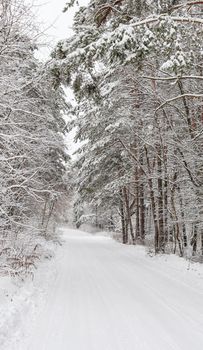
(128,216)
(194,240)
(202,243)
(52,205)
(142,213)
(153,205)
(142,207)
(160,201)
(165,199)
(137,207)
(177,227)
(183,219)
(124,232)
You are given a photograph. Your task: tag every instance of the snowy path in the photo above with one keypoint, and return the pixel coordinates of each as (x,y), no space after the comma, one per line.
(110,297)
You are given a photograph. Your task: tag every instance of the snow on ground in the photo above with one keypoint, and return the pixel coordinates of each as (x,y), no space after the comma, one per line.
(97,294)
(20,301)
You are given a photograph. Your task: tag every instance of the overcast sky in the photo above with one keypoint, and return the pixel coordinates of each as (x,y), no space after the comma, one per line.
(56,24)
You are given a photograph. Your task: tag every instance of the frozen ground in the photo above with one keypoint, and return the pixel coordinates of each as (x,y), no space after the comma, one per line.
(97,294)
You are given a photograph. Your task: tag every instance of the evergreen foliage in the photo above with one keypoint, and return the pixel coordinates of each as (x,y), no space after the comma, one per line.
(136,70)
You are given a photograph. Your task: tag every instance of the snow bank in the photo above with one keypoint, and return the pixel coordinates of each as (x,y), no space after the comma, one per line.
(20,300)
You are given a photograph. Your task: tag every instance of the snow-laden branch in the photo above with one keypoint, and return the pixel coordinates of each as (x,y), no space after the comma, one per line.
(18,223)
(187,4)
(20,110)
(181,19)
(133,156)
(177,98)
(197,77)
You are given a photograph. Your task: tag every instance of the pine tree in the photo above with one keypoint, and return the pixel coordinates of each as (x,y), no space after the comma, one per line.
(136,73)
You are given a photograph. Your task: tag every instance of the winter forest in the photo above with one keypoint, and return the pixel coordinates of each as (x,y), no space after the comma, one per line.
(134,69)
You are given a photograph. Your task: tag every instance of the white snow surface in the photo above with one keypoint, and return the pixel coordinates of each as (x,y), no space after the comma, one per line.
(97,294)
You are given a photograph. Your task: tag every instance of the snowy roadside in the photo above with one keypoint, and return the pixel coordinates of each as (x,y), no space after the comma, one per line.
(20,301)
(170,264)
(164,263)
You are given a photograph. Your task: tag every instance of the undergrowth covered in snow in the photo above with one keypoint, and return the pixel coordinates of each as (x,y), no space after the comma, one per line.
(22,292)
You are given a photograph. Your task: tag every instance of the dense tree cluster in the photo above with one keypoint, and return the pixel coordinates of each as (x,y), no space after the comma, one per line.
(32,151)
(136,70)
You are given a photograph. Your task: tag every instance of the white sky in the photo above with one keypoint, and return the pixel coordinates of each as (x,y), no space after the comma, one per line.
(56,24)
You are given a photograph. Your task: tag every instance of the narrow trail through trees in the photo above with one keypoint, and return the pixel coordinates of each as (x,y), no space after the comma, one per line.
(107,296)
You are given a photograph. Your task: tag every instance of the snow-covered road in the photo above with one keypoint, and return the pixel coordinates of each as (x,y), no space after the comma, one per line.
(107,296)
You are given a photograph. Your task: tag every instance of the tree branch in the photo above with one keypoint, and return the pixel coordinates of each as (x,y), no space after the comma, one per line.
(177,98)
(187,4)
(174,78)
(192,20)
